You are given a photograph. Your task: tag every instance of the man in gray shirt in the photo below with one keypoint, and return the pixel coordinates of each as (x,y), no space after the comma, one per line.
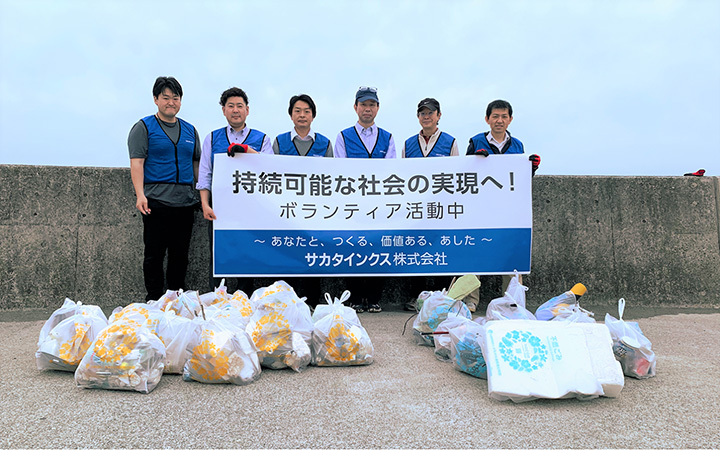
(164,155)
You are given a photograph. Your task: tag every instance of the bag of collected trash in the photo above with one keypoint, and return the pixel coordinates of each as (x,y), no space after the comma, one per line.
(530,359)
(511,306)
(466,348)
(434,310)
(441,336)
(338,338)
(67,335)
(559,305)
(218,295)
(125,356)
(219,352)
(631,347)
(187,304)
(574,313)
(281,327)
(323,309)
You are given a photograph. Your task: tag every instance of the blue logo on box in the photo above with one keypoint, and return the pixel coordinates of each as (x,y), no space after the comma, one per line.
(523,351)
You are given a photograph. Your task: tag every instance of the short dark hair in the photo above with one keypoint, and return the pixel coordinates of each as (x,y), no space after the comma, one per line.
(498,104)
(302,98)
(233,92)
(162,83)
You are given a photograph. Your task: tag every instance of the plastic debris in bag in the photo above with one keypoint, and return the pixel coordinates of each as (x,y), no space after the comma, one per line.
(67,335)
(187,304)
(466,341)
(434,310)
(560,305)
(441,336)
(218,295)
(510,306)
(219,352)
(125,356)
(281,327)
(338,337)
(632,349)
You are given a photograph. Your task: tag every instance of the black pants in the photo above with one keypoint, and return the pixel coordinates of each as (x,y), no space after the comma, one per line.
(365,290)
(166,230)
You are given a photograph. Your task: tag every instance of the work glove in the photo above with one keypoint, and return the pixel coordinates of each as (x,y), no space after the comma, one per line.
(535,159)
(481,152)
(699,173)
(237,148)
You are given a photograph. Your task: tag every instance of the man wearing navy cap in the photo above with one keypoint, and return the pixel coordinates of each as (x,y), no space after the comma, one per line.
(430,142)
(365,140)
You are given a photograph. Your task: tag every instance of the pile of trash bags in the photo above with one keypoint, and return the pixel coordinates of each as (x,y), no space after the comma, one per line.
(211,338)
(559,351)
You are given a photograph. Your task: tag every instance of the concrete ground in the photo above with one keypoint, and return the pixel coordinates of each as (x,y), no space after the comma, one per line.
(406,399)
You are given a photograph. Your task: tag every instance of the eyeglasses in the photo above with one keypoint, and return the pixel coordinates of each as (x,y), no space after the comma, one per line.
(368,88)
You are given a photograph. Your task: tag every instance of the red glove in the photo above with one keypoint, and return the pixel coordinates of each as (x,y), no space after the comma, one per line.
(481,152)
(699,173)
(535,159)
(237,148)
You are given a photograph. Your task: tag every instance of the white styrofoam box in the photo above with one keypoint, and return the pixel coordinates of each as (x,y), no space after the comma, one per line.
(529,359)
(607,369)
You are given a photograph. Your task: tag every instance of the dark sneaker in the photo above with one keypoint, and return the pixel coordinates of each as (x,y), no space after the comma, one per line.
(411,306)
(359,308)
(374,308)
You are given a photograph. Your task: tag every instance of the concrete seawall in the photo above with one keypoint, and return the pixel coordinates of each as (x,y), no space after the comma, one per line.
(74,232)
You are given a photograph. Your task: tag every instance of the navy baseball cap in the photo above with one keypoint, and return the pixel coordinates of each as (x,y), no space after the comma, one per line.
(366,93)
(429,103)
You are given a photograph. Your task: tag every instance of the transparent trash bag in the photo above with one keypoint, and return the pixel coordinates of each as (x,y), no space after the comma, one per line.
(631,347)
(435,309)
(220,352)
(281,327)
(67,335)
(441,336)
(466,342)
(125,356)
(338,337)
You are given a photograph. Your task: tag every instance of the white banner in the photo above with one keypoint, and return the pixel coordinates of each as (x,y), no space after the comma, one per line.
(288,215)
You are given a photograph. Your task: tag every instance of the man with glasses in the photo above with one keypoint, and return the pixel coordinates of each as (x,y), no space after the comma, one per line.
(429,143)
(365,140)
(164,153)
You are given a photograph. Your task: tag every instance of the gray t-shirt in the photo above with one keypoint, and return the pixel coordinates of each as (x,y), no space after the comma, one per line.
(175,195)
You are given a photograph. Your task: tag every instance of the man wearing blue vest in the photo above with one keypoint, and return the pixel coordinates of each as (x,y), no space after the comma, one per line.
(429,143)
(497,141)
(365,140)
(164,153)
(235,108)
(302,141)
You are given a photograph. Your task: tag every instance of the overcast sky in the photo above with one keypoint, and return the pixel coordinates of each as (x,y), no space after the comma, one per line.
(613,87)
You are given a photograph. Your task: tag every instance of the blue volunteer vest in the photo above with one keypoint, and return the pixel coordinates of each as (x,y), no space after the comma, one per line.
(442,146)
(354,147)
(219,141)
(513,146)
(168,162)
(287,147)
